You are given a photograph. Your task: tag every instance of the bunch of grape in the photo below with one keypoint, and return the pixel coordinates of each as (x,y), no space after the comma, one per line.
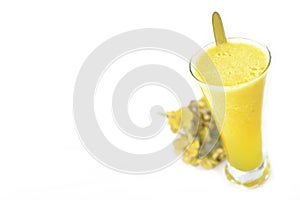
(199,140)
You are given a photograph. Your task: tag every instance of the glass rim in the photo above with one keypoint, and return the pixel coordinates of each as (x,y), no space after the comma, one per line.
(261,46)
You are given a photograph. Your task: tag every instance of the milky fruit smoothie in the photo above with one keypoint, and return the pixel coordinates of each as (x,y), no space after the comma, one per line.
(236,70)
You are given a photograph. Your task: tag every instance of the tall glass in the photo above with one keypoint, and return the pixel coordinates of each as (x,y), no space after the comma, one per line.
(237,110)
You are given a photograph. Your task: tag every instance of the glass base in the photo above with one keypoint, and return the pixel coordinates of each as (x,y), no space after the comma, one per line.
(249,179)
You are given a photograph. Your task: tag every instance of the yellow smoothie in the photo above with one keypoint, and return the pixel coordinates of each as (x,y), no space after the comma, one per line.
(241,69)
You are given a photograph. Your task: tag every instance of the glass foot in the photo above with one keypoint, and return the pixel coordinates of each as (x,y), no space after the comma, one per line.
(249,179)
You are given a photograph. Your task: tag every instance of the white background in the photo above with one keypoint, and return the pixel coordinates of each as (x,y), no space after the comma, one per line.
(42,47)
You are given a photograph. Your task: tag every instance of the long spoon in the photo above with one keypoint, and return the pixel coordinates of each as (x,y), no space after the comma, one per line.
(218,28)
